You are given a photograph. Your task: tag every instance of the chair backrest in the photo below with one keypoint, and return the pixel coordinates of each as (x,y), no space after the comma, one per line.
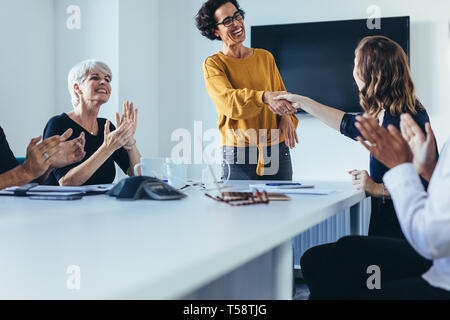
(20,160)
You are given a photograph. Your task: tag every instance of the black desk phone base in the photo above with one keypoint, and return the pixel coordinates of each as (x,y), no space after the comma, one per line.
(136,188)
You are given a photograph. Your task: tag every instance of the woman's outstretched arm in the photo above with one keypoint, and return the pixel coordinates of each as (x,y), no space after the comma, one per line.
(332,117)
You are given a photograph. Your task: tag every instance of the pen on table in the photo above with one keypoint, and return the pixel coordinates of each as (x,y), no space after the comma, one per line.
(283,184)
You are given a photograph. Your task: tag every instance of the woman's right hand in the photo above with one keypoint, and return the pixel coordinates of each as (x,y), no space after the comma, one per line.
(423,147)
(118,138)
(39,156)
(278,106)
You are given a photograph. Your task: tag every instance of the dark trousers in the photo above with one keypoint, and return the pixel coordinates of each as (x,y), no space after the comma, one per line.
(243,163)
(383,220)
(339,270)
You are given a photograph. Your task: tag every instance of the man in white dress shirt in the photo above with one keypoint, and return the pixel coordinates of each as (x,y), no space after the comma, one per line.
(424,216)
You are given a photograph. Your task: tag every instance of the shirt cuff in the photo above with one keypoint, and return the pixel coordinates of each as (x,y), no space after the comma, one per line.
(345,123)
(259,97)
(402,175)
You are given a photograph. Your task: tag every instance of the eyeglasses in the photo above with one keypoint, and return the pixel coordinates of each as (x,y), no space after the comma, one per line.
(239,199)
(227,22)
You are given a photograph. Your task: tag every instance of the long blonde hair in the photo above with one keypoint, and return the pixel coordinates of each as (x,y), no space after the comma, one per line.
(383,66)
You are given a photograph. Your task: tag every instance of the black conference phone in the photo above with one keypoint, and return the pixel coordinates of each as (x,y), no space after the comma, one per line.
(136,188)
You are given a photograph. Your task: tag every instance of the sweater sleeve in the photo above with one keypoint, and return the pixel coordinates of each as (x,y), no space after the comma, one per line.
(236,104)
(424,216)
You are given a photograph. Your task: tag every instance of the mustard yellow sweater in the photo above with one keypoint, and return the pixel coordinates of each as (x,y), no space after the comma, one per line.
(236,86)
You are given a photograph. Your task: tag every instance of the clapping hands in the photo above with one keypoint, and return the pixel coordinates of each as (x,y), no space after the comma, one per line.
(394,148)
(129,116)
(69,151)
(54,152)
(423,147)
(388,147)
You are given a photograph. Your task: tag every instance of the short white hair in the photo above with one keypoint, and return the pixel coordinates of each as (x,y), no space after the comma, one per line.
(79,73)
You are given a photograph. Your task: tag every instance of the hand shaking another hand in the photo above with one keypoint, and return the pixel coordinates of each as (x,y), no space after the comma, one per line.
(280,107)
(295,99)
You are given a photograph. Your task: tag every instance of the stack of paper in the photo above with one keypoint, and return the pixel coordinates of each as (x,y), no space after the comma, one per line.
(55,190)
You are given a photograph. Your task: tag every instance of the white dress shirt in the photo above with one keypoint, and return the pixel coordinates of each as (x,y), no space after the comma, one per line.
(425,216)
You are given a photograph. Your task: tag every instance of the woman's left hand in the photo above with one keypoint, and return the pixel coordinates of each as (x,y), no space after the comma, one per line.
(289,131)
(361,180)
(130,115)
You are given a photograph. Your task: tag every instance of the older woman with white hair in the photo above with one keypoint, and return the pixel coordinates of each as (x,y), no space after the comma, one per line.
(90,88)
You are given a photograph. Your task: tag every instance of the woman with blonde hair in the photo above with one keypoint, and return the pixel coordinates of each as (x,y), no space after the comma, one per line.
(340,270)
(387,90)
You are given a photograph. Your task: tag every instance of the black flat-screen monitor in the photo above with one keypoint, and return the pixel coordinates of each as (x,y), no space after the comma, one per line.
(316,59)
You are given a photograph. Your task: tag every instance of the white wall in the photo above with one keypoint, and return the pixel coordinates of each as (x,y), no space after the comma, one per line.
(123,34)
(183,96)
(39,51)
(156,55)
(27,68)
(139,68)
(322,153)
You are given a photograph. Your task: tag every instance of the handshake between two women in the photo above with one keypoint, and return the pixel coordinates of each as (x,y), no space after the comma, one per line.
(284,104)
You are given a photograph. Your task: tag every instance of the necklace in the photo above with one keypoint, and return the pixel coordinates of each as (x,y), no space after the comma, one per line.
(77,119)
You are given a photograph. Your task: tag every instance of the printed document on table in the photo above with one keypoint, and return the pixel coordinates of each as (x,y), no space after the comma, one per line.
(47,190)
(308,191)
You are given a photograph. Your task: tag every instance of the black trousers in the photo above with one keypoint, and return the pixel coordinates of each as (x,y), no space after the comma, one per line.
(243,163)
(339,271)
(383,220)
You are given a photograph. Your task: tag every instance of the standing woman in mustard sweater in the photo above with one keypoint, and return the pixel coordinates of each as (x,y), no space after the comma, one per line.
(257,130)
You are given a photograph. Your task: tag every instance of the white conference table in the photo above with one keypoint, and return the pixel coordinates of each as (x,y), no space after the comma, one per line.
(195,248)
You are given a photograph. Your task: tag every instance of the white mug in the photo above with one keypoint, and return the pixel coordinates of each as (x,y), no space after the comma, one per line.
(176,172)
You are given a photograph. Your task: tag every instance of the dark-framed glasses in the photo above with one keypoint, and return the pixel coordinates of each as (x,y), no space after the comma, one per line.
(227,22)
